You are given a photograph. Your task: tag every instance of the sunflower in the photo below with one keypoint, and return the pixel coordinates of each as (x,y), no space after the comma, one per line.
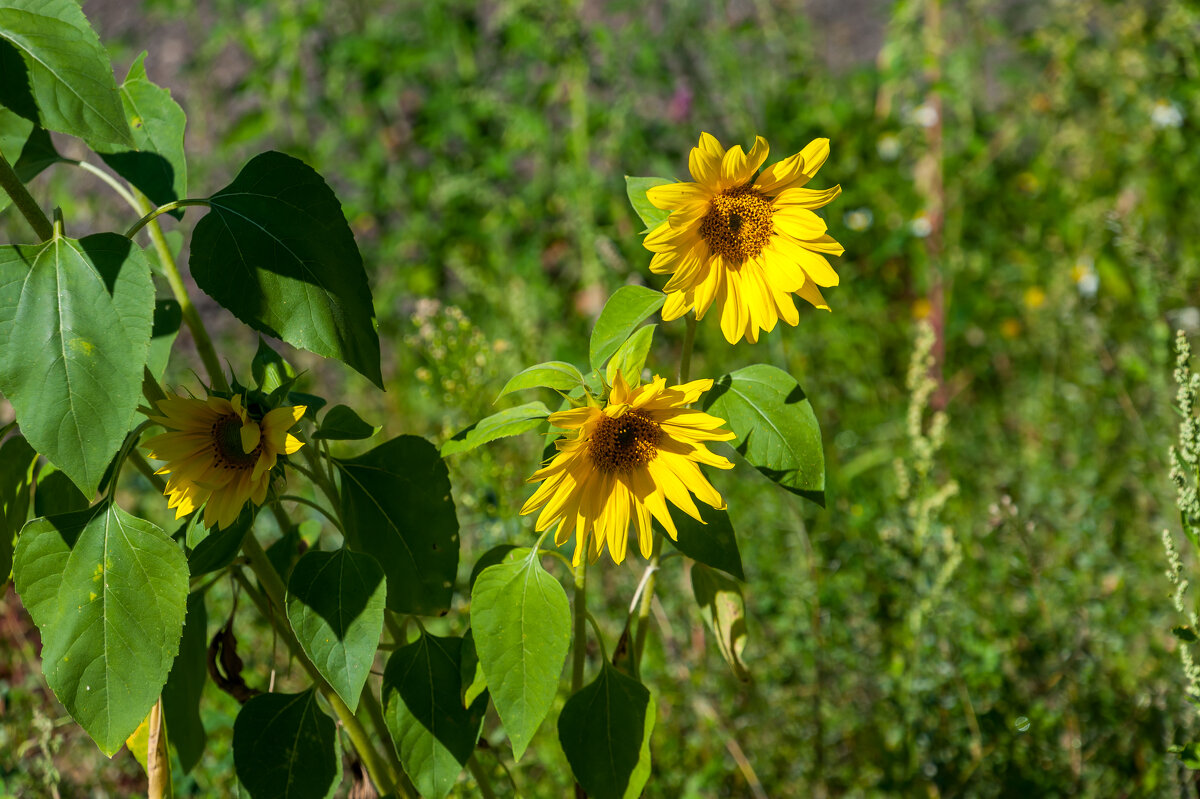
(746,244)
(623,462)
(218,452)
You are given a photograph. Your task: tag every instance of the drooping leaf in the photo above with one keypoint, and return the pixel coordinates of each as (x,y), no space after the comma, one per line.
(397,506)
(630,357)
(335,606)
(285,747)
(724,611)
(627,308)
(16,462)
(75,324)
(508,422)
(712,543)
(185,685)
(605,730)
(558,375)
(156,165)
(343,424)
(68,72)
(777,431)
(276,251)
(522,625)
(107,591)
(138,744)
(650,215)
(433,732)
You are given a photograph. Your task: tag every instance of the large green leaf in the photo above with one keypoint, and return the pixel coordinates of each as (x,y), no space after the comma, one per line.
(422,694)
(107,591)
(16,466)
(776,429)
(397,506)
(68,72)
(168,315)
(219,546)
(712,542)
(605,730)
(627,308)
(276,251)
(185,685)
(636,188)
(508,422)
(335,606)
(522,628)
(75,323)
(284,747)
(558,375)
(156,165)
(724,611)
(630,357)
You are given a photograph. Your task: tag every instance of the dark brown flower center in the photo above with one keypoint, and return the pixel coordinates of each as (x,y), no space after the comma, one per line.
(738,224)
(227,444)
(626,442)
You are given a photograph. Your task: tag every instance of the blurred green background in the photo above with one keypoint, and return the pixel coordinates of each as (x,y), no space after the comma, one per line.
(1016,172)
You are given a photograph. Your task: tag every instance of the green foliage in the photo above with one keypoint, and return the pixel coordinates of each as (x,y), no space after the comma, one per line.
(627,308)
(73,370)
(521,625)
(724,612)
(182,694)
(508,422)
(335,605)
(557,375)
(284,747)
(636,188)
(93,581)
(341,423)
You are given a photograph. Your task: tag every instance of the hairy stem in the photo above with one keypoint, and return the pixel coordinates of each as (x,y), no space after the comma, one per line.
(24,201)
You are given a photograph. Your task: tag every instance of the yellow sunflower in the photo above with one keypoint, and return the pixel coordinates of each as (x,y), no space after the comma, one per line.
(746,244)
(218,453)
(622,464)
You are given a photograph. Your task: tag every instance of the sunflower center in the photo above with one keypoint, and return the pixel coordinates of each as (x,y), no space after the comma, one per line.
(226,435)
(626,442)
(738,223)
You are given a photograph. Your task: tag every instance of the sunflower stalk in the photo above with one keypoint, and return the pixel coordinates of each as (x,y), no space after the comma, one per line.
(579,607)
(24,201)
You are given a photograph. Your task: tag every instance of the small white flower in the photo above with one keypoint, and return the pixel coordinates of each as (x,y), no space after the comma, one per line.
(859,219)
(921,226)
(888,147)
(1166,114)
(924,115)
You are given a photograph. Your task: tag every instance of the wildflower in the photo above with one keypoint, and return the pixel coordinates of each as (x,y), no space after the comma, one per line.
(744,243)
(1165,114)
(219,452)
(624,462)
(921,225)
(859,219)
(1035,297)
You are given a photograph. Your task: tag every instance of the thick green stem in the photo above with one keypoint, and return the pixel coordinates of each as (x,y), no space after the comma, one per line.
(379,769)
(580,642)
(204,345)
(151,213)
(24,201)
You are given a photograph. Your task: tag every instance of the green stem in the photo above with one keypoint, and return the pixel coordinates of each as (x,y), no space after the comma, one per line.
(580,608)
(481,778)
(319,509)
(112,182)
(191,317)
(24,201)
(152,213)
(379,769)
(685,357)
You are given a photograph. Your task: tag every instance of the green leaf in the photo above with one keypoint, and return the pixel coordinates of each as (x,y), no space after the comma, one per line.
(630,357)
(650,215)
(14,132)
(284,747)
(1189,753)
(16,464)
(268,368)
(56,494)
(724,611)
(1184,634)
(69,73)
(276,251)
(220,546)
(470,672)
(167,318)
(605,730)
(627,308)
(497,554)
(508,422)
(433,733)
(522,625)
(156,164)
(712,543)
(397,506)
(75,323)
(558,375)
(776,429)
(343,424)
(335,606)
(107,591)
(185,685)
